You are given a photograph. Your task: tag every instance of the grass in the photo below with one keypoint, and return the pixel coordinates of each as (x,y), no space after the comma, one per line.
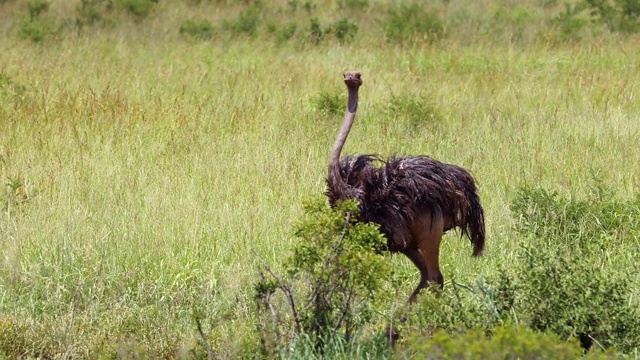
(138,172)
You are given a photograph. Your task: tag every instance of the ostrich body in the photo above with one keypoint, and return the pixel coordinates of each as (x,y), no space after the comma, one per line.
(415,200)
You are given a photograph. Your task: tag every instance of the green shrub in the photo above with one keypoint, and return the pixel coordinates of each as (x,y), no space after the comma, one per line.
(335,347)
(412,23)
(504,342)
(546,215)
(283,34)
(199,29)
(334,279)
(316,34)
(37,7)
(344,29)
(307,5)
(618,15)
(246,23)
(37,29)
(571,22)
(329,103)
(360,5)
(138,8)
(93,12)
(419,111)
(34,26)
(565,281)
(572,296)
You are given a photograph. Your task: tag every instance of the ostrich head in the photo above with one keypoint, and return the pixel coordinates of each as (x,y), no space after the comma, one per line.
(352,79)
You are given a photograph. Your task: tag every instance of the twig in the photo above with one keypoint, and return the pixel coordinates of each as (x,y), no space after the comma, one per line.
(328,261)
(464,286)
(204,339)
(274,315)
(285,289)
(605,15)
(344,311)
(597,343)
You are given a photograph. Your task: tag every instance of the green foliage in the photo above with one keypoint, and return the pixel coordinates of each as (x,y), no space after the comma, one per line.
(93,12)
(307,5)
(451,310)
(511,22)
(344,29)
(360,5)
(411,23)
(37,7)
(580,223)
(246,23)
(564,281)
(200,29)
(572,296)
(336,347)
(316,34)
(618,15)
(138,8)
(418,111)
(329,103)
(570,22)
(34,26)
(283,34)
(37,29)
(9,87)
(622,16)
(505,342)
(338,272)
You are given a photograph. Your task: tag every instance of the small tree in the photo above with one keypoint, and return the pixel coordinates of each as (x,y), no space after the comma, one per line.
(333,280)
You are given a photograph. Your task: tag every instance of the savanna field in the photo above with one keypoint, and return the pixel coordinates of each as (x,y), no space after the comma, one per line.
(155,156)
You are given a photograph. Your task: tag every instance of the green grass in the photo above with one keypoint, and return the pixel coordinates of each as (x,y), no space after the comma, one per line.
(139,169)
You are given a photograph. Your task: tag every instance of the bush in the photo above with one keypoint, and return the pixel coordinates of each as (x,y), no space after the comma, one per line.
(417,110)
(334,280)
(573,297)
(573,221)
(34,26)
(37,29)
(37,7)
(411,23)
(622,16)
(570,22)
(360,5)
(200,29)
(329,103)
(283,34)
(504,342)
(138,8)
(618,15)
(344,29)
(307,5)
(92,12)
(316,34)
(565,281)
(246,23)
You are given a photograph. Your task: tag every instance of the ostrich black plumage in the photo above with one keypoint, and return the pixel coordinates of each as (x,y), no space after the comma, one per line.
(415,200)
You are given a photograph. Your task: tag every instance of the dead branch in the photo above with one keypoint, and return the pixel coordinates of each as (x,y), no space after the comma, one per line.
(285,289)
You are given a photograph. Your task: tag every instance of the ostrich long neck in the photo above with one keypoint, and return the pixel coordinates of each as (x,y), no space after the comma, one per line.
(334,168)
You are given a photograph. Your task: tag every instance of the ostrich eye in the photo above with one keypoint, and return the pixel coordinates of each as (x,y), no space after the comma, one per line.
(358,76)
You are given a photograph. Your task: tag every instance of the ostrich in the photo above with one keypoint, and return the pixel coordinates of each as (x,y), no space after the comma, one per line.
(415,200)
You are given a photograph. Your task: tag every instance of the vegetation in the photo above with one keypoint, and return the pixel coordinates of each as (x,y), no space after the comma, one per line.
(146,179)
